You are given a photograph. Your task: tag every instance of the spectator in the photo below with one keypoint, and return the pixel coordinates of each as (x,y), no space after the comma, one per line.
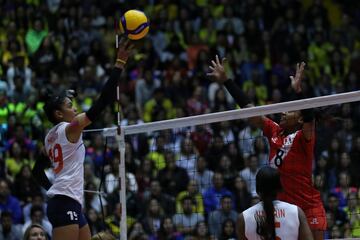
(35,231)
(201,231)
(228,230)
(9,203)
(220,99)
(113,221)
(103,236)
(228,170)
(166,201)
(345,165)
(95,154)
(167,231)
(19,78)
(340,217)
(136,232)
(242,197)
(153,217)
(197,105)
(25,185)
(249,174)
(35,36)
(218,217)
(202,175)
(353,214)
(144,176)
(8,230)
(214,152)
(172,178)
(213,194)
(17,160)
(46,58)
(37,199)
(344,189)
(159,107)
(186,222)
(112,177)
(157,155)
(37,216)
(92,200)
(187,156)
(246,139)
(89,175)
(144,89)
(86,34)
(355,154)
(193,192)
(95,222)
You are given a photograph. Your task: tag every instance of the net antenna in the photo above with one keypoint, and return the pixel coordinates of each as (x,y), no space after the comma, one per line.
(121,131)
(120,139)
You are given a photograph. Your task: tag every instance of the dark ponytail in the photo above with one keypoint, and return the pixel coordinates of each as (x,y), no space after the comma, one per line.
(265,226)
(267,186)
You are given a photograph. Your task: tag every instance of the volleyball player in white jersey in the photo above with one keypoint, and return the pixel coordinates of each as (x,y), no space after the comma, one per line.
(65,148)
(272,219)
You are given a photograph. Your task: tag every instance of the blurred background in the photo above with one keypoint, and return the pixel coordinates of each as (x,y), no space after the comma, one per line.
(63,44)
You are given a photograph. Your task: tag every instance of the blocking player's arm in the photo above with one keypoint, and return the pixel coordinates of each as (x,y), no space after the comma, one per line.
(307,114)
(107,96)
(242,100)
(308,127)
(38,171)
(240,227)
(304,229)
(218,72)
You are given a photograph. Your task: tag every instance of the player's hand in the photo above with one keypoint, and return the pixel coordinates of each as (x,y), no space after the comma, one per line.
(124,50)
(217,70)
(296,81)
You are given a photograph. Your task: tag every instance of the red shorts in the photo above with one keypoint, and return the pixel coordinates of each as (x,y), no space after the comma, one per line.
(316,218)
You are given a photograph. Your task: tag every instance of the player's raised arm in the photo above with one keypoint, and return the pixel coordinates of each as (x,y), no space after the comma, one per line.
(307,118)
(218,73)
(107,96)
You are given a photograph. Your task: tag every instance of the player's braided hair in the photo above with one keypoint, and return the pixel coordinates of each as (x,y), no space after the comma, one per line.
(267,186)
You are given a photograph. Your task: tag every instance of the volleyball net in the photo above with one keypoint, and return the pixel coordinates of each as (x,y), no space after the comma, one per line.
(197,170)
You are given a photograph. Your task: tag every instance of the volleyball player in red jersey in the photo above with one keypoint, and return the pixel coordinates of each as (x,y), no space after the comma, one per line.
(291,148)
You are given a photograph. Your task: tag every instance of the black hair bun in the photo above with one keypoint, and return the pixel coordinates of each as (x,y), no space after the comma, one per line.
(71,93)
(45,94)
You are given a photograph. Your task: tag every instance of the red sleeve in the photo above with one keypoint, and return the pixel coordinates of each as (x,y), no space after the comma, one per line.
(269,127)
(308,145)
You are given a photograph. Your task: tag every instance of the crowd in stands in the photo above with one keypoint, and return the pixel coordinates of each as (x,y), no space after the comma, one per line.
(183,183)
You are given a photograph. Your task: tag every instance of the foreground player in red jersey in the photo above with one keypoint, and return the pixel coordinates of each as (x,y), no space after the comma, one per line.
(291,148)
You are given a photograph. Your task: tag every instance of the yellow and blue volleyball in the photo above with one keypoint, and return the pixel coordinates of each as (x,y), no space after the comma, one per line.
(134,24)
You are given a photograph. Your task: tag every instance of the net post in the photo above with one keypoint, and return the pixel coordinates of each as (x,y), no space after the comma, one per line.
(122,177)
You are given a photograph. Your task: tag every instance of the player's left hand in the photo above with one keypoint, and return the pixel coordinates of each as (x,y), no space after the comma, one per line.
(296,81)
(217,70)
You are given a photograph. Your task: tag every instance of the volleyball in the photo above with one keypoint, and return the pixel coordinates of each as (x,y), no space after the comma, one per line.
(134,24)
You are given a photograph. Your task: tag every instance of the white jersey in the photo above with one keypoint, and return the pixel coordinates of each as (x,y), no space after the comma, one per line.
(286,220)
(67,163)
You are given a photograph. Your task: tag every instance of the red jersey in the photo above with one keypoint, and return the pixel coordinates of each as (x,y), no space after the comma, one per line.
(293,156)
